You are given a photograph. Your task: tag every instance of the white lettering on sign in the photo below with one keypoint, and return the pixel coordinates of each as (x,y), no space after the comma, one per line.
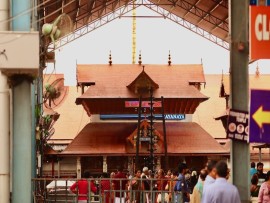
(174,116)
(262,27)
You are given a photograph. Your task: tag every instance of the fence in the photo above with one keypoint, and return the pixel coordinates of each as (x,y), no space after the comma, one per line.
(46,190)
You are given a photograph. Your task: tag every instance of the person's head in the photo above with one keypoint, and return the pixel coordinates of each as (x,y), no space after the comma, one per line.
(120,168)
(145,170)
(169,172)
(161,173)
(203,174)
(254,179)
(260,167)
(182,168)
(112,174)
(86,174)
(211,168)
(252,165)
(138,173)
(267,176)
(222,169)
(105,175)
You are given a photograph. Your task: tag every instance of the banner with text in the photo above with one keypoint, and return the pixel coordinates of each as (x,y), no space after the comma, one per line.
(259,32)
(238,125)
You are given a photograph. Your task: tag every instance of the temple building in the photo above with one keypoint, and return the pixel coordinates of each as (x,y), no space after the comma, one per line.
(138,115)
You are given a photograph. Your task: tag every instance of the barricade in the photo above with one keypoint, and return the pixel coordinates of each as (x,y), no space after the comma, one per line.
(48,190)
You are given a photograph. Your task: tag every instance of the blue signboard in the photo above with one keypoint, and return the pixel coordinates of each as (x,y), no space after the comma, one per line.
(259,122)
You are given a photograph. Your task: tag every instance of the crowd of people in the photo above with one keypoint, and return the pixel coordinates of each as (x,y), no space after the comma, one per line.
(260,183)
(145,186)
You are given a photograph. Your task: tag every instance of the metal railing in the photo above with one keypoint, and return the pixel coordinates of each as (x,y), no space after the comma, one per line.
(47,190)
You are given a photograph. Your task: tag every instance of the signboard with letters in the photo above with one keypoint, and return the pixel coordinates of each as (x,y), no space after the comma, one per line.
(135,104)
(259,116)
(259,32)
(237,128)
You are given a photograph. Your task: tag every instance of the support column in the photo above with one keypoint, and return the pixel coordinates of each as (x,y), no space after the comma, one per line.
(22,148)
(130,165)
(79,167)
(58,169)
(5,121)
(105,166)
(239,50)
(158,166)
(23,117)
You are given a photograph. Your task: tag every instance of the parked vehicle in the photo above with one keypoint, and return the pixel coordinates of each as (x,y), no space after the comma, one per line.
(58,191)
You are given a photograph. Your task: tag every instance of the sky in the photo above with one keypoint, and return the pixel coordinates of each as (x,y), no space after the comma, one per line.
(155,38)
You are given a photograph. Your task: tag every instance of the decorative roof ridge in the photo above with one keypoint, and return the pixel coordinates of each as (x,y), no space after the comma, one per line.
(142,82)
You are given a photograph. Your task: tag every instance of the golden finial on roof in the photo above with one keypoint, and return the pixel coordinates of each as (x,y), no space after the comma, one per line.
(257,73)
(202,62)
(169,61)
(110,58)
(140,58)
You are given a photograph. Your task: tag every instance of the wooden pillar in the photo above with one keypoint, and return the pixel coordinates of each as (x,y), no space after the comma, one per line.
(130,165)
(105,166)
(158,166)
(79,167)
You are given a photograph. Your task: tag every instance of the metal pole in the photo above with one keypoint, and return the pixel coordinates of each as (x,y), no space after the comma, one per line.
(138,134)
(240,155)
(151,157)
(164,134)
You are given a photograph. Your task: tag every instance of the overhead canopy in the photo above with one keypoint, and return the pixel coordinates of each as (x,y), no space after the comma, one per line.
(207,18)
(110,90)
(183,138)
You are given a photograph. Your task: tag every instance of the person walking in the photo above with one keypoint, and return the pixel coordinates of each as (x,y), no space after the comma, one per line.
(198,189)
(136,188)
(221,191)
(264,192)
(81,187)
(106,188)
(120,185)
(260,173)
(254,188)
(252,169)
(180,188)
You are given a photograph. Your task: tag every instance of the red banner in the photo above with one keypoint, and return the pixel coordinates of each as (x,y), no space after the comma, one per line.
(259,32)
(132,104)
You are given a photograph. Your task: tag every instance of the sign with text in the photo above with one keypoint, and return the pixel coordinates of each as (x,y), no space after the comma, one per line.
(259,116)
(135,104)
(259,32)
(237,128)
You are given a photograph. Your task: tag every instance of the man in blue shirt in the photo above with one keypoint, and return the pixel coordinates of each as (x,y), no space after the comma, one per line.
(221,191)
(180,188)
(252,169)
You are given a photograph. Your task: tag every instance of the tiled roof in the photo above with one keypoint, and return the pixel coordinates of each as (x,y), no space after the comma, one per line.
(185,138)
(206,112)
(110,92)
(112,81)
(255,82)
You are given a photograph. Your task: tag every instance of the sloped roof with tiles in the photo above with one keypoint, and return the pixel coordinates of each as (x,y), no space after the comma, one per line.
(110,90)
(185,138)
(260,81)
(206,112)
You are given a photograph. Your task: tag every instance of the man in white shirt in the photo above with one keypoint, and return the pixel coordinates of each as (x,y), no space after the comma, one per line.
(221,191)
